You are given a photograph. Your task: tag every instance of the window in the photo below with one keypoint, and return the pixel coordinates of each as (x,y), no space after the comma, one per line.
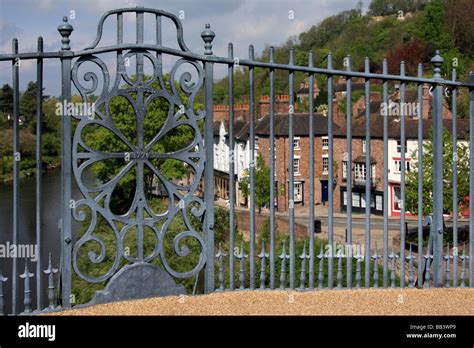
(378,202)
(344,195)
(397,200)
(325,165)
(296,166)
(359,171)
(296,143)
(355,199)
(398,166)
(256,142)
(298,191)
(344,169)
(325,143)
(399,146)
(364,143)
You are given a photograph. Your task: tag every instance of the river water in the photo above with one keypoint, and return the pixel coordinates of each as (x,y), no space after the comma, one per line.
(27,231)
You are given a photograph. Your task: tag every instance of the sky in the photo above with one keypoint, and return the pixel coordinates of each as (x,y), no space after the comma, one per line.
(242,22)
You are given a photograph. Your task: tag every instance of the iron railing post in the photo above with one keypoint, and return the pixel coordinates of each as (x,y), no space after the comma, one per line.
(437,62)
(65,29)
(207,36)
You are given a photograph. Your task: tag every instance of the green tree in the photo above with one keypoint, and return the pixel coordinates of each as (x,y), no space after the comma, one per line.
(6,99)
(262,183)
(427,170)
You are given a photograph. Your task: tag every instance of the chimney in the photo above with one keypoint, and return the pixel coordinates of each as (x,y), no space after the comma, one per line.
(426,103)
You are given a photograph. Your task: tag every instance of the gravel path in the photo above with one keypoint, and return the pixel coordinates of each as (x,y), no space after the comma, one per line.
(326,302)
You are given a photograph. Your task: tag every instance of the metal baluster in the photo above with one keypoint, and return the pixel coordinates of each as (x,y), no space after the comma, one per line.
(376,267)
(252,169)
(311,173)
(411,277)
(272,173)
(39,168)
(321,268)
(471,182)
(448,267)
(331,178)
(385,177)
(402,178)
(428,258)
(283,257)
(349,165)
(393,257)
(221,254)
(27,300)
(368,177)
(420,178)
(303,257)
(2,302)
(463,266)
(16,168)
(262,257)
(358,277)
(291,174)
(231,169)
(65,30)
(339,269)
(437,62)
(455,183)
(242,258)
(50,272)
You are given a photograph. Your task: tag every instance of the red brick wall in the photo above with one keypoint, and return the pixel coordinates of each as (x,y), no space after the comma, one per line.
(281,167)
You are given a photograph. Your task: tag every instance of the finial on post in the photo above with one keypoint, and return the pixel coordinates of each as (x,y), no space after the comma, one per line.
(65,29)
(207,36)
(437,62)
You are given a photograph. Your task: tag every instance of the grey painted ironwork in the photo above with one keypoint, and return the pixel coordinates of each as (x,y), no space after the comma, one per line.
(26,275)
(242,256)
(411,276)
(348,63)
(463,266)
(311,172)
(331,177)
(39,168)
(198,155)
(272,171)
(321,268)
(358,258)
(263,255)
(339,268)
(16,167)
(393,269)
(455,181)
(385,178)
(437,62)
(207,36)
(232,161)
(402,178)
(448,258)
(220,255)
(2,301)
(471,182)
(50,272)
(252,167)
(303,258)
(375,257)
(368,184)
(291,187)
(283,257)
(420,178)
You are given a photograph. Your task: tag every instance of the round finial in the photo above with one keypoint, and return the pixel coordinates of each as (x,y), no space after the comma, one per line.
(65,29)
(437,62)
(207,36)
